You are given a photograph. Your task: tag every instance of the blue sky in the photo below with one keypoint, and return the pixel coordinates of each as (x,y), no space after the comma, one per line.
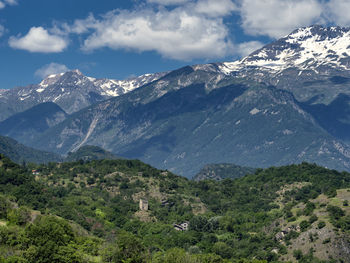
(118,38)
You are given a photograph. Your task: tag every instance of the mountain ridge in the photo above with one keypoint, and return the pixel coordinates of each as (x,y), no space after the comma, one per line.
(248,114)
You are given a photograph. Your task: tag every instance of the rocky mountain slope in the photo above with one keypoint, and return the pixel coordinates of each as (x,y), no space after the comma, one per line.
(188,127)
(72,91)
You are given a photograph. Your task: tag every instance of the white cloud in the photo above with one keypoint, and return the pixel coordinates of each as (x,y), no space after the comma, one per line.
(246,48)
(338,11)
(168,2)
(2,5)
(276,18)
(39,40)
(178,33)
(49,69)
(215,8)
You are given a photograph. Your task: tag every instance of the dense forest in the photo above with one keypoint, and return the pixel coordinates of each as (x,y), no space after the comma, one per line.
(88,211)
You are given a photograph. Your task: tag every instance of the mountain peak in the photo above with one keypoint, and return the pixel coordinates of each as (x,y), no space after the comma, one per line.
(307,48)
(77,71)
(320,31)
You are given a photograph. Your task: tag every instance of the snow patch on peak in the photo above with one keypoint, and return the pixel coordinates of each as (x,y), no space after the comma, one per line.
(114,88)
(254,111)
(91,79)
(77,71)
(49,80)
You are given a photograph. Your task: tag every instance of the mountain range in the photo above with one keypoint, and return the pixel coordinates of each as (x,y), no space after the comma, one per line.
(72,91)
(285,103)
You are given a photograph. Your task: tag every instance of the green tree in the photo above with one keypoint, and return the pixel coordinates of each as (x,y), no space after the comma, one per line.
(127,248)
(51,239)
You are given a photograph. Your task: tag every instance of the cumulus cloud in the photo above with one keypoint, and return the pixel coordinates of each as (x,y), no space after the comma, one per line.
(39,40)
(246,48)
(275,18)
(49,69)
(178,33)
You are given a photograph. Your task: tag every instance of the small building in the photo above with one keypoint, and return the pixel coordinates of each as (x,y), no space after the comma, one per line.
(181,227)
(185,226)
(35,172)
(143,204)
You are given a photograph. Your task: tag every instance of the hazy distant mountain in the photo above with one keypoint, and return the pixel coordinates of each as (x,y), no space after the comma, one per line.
(25,125)
(20,153)
(72,91)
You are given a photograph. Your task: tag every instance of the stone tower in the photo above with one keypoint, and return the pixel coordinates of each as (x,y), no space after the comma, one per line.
(143,204)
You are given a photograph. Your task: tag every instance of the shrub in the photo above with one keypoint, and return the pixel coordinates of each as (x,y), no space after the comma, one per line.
(335,212)
(313,218)
(304,225)
(321,225)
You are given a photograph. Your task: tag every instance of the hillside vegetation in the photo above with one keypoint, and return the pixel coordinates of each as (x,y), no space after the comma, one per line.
(88,153)
(89,212)
(222,171)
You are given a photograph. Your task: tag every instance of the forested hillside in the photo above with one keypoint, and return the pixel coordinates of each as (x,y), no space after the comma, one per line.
(89,212)
(88,153)
(222,171)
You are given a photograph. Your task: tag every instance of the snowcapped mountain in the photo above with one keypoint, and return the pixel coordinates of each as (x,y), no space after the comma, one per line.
(71,90)
(306,48)
(305,62)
